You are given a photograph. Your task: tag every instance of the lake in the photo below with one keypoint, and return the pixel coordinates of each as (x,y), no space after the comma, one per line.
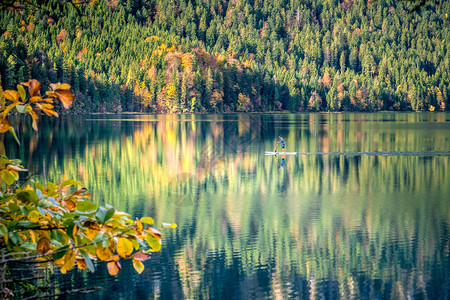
(371,220)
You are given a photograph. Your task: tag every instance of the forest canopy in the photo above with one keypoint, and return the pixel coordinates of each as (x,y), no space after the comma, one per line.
(242,55)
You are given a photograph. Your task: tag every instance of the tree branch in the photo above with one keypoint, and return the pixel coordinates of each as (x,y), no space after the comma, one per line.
(21,259)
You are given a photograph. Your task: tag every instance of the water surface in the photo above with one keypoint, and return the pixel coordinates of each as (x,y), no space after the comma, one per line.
(371,220)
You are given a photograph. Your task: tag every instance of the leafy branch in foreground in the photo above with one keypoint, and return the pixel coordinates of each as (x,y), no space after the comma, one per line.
(35,103)
(49,224)
(44,224)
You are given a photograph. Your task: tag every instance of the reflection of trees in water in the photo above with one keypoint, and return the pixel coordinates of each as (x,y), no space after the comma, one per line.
(324,224)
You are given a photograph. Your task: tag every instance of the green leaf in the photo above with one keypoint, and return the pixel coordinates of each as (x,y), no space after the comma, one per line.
(12,225)
(13,132)
(39,194)
(59,254)
(16,162)
(57,235)
(70,228)
(24,210)
(7,177)
(13,207)
(56,244)
(86,207)
(51,189)
(105,243)
(109,214)
(90,249)
(53,201)
(23,108)
(138,266)
(70,217)
(88,260)
(69,183)
(104,214)
(42,210)
(98,237)
(153,242)
(15,239)
(4,161)
(22,92)
(39,186)
(135,244)
(28,196)
(28,224)
(29,246)
(3,230)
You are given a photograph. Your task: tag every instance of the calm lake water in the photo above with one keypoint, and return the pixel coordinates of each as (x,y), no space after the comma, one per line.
(370,221)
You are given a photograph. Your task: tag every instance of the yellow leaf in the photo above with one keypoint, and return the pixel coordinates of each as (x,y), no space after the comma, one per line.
(104,254)
(34,216)
(33,114)
(65,96)
(113,268)
(115,258)
(9,108)
(33,236)
(75,231)
(11,95)
(69,260)
(34,86)
(91,233)
(34,125)
(35,99)
(81,264)
(139,227)
(169,225)
(138,266)
(50,112)
(5,125)
(64,86)
(59,262)
(69,204)
(14,173)
(147,220)
(124,247)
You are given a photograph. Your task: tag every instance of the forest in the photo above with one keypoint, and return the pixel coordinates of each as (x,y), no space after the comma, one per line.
(186,56)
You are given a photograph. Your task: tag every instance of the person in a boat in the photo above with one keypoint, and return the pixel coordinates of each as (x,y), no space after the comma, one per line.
(282,143)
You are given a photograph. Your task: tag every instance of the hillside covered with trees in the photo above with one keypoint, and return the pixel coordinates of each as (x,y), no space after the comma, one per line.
(240,55)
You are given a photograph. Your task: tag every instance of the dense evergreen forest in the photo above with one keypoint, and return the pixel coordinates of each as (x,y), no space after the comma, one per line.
(239,55)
